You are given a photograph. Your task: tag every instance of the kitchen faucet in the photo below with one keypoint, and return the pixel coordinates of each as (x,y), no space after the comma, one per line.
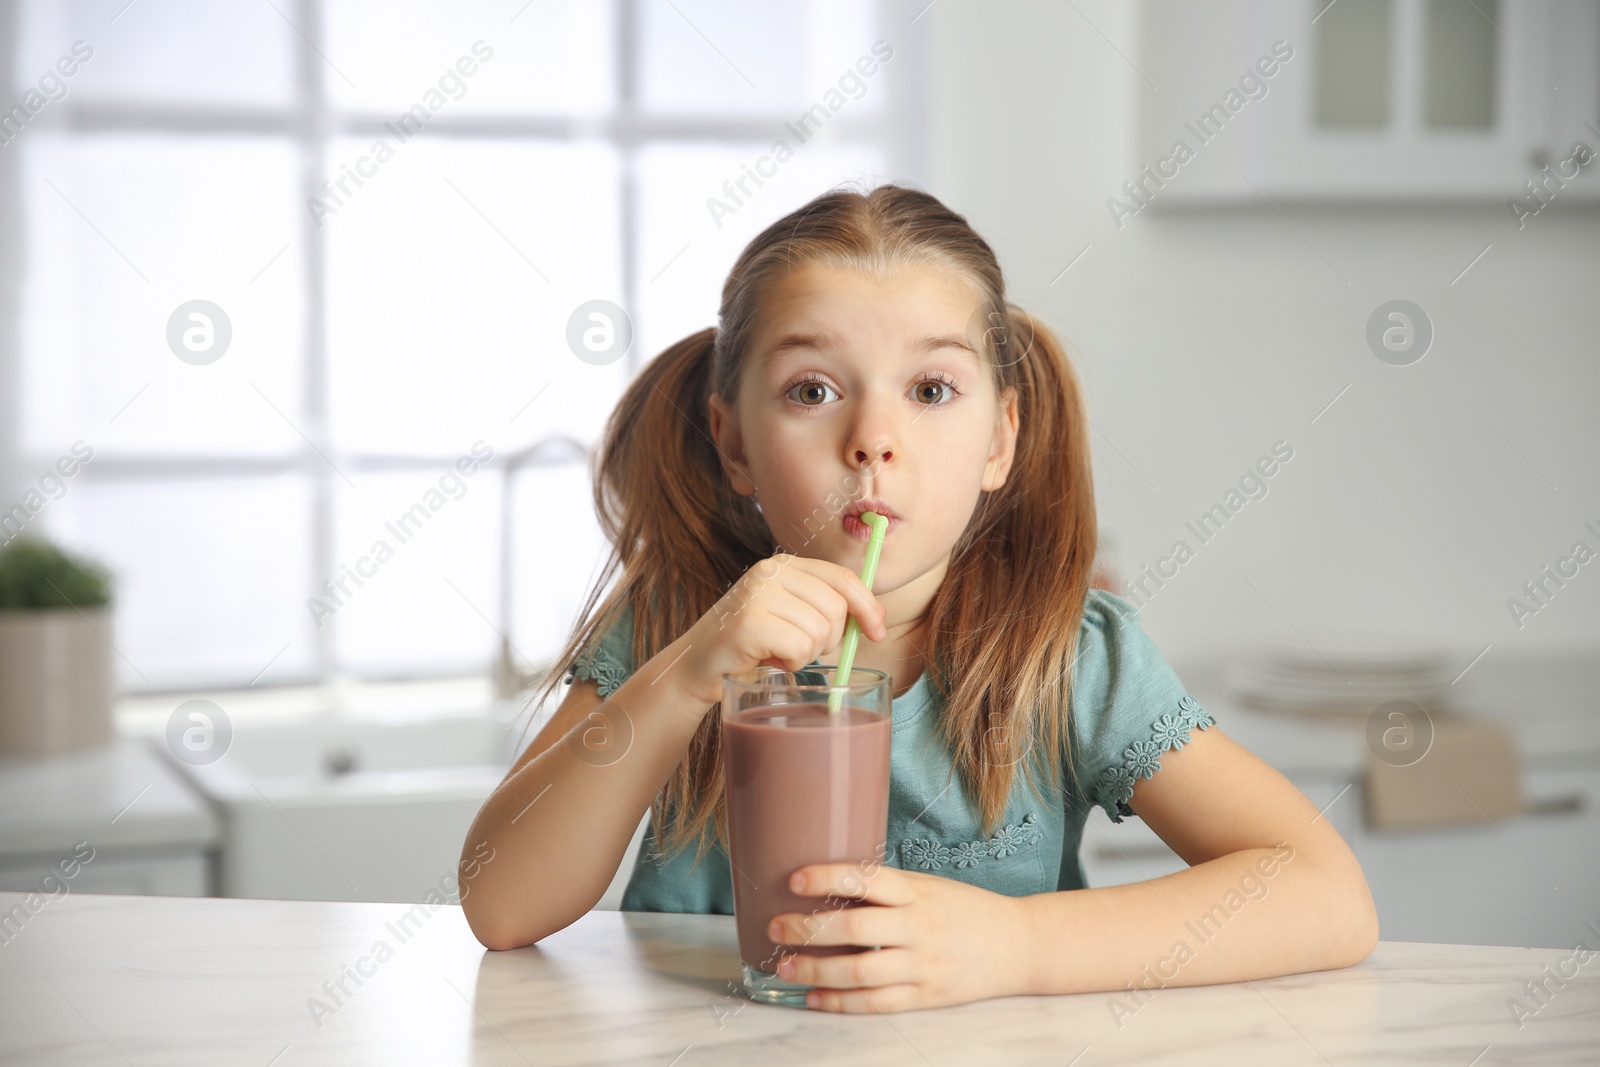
(509,678)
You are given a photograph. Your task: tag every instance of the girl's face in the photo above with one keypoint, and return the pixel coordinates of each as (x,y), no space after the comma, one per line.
(856,389)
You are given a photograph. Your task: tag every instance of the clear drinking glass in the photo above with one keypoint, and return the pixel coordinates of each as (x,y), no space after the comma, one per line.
(804,785)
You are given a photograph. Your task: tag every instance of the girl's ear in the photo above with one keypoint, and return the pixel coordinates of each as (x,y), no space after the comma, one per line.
(1004,446)
(730,446)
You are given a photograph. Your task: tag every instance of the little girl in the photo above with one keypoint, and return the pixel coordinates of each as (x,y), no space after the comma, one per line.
(866,357)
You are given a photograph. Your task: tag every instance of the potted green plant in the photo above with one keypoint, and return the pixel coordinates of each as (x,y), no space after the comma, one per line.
(56,670)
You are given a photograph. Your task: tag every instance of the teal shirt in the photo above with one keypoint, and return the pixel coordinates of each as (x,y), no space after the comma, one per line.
(1128,707)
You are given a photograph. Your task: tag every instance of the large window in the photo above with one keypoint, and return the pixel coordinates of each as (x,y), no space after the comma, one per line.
(300,273)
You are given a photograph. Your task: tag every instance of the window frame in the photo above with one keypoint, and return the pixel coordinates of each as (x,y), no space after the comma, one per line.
(312,124)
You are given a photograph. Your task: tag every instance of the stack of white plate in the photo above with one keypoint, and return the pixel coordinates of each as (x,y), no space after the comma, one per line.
(1347,678)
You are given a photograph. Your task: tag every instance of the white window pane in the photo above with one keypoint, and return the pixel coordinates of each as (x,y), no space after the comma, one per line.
(723,56)
(121,230)
(559,550)
(539,57)
(453,271)
(1459,78)
(684,255)
(1352,64)
(422,544)
(170,51)
(211,575)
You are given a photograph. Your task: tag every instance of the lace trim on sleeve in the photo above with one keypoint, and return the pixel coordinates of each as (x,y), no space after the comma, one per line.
(1142,759)
(594,662)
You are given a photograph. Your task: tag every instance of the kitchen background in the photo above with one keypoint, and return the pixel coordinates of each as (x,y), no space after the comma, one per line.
(283,280)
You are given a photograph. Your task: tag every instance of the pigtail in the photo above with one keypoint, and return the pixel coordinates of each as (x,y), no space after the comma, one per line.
(1008,675)
(679,536)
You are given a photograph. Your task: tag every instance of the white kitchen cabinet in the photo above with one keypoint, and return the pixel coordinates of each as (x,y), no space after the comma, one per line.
(1368,99)
(148,831)
(1120,853)
(181,872)
(1532,880)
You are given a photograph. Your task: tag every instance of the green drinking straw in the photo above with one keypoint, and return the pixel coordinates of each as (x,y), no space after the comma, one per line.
(852,628)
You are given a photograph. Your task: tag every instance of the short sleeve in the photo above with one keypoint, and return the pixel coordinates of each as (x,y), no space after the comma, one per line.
(608,660)
(1128,706)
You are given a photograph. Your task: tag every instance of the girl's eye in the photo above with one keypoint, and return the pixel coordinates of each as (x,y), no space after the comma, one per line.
(936,390)
(943,387)
(810,390)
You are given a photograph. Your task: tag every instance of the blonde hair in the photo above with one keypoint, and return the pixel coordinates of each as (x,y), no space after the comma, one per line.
(1004,623)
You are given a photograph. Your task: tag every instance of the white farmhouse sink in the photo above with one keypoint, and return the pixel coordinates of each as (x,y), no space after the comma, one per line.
(352,809)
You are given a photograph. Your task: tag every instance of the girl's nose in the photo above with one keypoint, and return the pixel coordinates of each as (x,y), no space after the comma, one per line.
(880,453)
(873,430)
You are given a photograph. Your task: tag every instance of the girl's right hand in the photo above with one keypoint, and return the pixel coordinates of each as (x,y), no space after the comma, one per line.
(784,612)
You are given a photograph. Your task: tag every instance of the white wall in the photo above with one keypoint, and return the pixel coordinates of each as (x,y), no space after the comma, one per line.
(1203,337)
(12,483)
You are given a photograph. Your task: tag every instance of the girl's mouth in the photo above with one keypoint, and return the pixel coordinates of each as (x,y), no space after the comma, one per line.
(861,531)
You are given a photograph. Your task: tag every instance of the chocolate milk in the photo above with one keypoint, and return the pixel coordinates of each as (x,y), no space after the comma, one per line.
(800,789)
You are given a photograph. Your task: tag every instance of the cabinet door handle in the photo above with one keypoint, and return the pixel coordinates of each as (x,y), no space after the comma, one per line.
(1112,853)
(1562,804)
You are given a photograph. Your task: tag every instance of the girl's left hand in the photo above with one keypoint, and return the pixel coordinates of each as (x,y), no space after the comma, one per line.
(942,941)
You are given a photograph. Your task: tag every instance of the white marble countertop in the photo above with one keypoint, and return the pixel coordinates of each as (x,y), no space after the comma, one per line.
(152,980)
(117,795)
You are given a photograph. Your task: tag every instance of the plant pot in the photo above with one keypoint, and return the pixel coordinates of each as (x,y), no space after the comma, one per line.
(56,678)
